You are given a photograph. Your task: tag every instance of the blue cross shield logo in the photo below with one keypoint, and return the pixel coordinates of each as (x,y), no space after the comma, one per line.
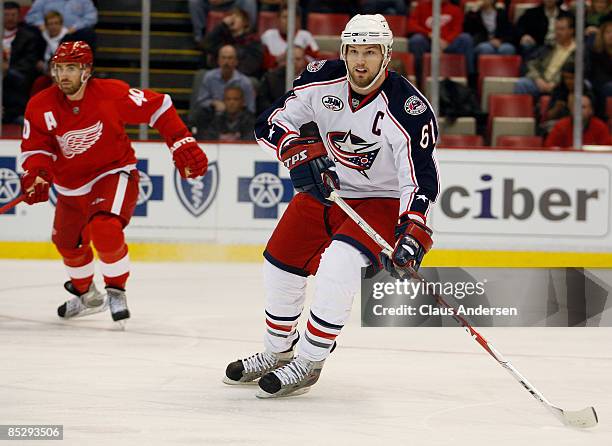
(150,187)
(197,194)
(10,186)
(266,190)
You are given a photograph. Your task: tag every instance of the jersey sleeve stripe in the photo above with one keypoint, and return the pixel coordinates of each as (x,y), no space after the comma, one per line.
(25,155)
(166,104)
(320,83)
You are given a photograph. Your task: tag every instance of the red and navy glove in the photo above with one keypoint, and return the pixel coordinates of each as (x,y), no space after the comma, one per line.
(33,190)
(413,242)
(189,158)
(310,168)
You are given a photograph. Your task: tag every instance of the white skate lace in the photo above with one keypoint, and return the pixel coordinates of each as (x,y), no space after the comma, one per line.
(259,362)
(293,372)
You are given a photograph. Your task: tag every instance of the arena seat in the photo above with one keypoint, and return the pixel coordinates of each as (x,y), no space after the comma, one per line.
(214,18)
(518,8)
(398,25)
(327,24)
(497,65)
(461,141)
(266,20)
(520,141)
(510,114)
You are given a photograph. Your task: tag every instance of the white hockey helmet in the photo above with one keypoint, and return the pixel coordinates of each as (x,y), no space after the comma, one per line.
(367,29)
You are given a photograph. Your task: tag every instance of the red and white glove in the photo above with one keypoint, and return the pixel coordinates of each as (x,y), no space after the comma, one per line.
(189,158)
(413,241)
(35,184)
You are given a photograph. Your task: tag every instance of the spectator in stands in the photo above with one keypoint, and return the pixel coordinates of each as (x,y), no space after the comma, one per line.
(214,82)
(275,43)
(596,11)
(558,105)
(453,40)
(600,65)
(199,9)
(235,123)
(21,51)
(489,27)
(235,30)
(80,17)
(53,34)
(385,7)
(536,27)
(595,131)
(544,70)
(273,82)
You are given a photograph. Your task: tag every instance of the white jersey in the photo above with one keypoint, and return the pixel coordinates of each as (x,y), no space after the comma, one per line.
(383,144)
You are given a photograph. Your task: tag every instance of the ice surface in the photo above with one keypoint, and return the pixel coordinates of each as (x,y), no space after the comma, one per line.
(159,382)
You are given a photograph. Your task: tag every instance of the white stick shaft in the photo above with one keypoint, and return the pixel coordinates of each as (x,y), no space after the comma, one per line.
(584,418)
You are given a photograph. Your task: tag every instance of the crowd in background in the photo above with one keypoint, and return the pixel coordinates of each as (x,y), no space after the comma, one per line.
(245,67)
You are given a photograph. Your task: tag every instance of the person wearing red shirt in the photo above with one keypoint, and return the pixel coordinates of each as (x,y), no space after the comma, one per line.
(453,39)
(74,138)
(595,131)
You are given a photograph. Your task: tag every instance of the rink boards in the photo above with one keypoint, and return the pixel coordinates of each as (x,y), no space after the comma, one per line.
(504,208)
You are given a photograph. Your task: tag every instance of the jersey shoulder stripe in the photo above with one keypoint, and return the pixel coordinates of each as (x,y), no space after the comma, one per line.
(319,71)
(406,103)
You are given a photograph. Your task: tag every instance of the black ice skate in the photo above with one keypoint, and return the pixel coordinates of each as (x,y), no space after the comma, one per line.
(117,302)
(248,370)
(292,379)
(90,302)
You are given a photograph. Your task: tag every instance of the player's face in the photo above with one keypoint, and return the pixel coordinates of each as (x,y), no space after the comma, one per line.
(363,63)
(68,77)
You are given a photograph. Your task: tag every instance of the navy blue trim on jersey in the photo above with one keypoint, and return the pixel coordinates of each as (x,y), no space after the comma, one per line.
(357,245)
(285,267)
(329,70)
(321,72)
(272,134)
(411,121)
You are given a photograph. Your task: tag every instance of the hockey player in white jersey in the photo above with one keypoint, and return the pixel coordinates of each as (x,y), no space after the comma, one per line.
(378,148)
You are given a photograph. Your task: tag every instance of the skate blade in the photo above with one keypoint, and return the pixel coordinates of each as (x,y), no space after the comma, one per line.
(231,382)
(121,324)
(262,394)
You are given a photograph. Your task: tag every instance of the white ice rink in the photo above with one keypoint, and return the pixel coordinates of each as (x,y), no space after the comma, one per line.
(159,382)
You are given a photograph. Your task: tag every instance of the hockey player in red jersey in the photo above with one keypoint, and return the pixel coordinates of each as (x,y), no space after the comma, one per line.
(74,138)
(378,147)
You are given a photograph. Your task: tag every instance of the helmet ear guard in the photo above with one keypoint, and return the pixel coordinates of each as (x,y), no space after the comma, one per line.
(368,29)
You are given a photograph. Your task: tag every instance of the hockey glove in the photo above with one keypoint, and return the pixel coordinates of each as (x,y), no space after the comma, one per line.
(310,168)
(189,158)
(35,184)
(413,242)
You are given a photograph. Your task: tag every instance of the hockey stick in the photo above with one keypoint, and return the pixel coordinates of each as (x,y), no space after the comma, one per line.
(11,204)
(586,417)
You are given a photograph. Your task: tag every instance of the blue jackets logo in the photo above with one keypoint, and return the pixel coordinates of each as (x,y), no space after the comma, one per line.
(10,186)
(266,190)
(197,194)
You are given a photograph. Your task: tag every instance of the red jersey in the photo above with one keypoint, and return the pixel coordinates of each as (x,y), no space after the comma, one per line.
(562,134)
(451,20)
(83,141)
